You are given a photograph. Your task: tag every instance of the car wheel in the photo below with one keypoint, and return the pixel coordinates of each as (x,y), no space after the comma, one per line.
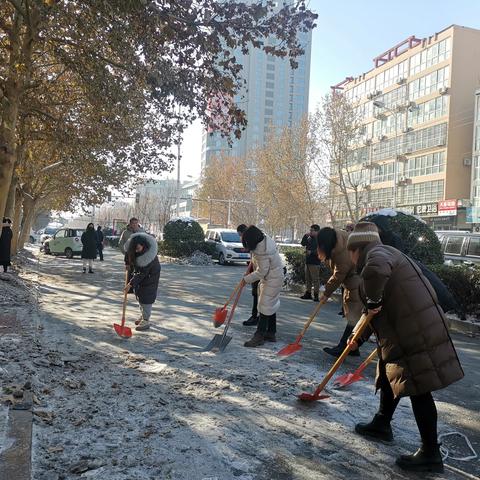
(69,253)
(221,259)
(31,239)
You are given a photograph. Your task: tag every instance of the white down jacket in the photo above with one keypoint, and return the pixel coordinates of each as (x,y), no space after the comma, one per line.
(268,268)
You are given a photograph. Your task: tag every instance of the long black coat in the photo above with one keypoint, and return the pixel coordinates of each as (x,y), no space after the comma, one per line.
(5,246)
(146,271)
(89,242)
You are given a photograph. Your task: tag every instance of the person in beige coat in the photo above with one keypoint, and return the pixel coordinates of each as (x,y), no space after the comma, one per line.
(332,250)
(268,270)
(415,351)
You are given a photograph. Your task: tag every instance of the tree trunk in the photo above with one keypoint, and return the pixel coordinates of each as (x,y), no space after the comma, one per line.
(29,207)
(10,207)
(17,215)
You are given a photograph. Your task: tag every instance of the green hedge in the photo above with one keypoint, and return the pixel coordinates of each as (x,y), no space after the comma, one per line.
(419,240)
(463,282)
(185,249)
(295,258)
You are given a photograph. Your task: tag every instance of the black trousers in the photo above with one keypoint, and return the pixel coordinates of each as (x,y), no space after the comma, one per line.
(255,299)
(100,251)
(267,323)
(423,407)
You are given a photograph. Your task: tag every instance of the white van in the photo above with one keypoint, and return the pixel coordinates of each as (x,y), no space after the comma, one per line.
(228,246)
(66,241)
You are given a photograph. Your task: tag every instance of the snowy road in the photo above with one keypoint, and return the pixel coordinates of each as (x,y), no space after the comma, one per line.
(155,407)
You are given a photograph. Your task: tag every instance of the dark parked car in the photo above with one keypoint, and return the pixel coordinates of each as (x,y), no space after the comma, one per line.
(460,247)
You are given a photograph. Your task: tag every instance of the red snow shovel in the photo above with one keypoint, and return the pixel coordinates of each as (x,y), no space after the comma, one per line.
(313,397)
(295,346)
(122,330)
(220,314)
(349,378)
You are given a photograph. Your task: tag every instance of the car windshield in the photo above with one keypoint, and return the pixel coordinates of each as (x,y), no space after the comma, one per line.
(231,237)
(50,230)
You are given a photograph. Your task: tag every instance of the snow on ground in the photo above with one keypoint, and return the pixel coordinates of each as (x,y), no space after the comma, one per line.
(156,407)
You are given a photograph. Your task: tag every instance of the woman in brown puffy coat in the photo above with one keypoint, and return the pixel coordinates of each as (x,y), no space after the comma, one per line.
(332,250)
(416,353)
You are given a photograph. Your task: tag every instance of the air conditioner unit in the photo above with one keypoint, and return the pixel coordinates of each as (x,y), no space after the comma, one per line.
(401,80)
(380,116)
(380,138)
(376,93)
(374,165)
(365,186)
(404,181)
(365,165)
(443,90)
(370,96)
(467,162)
(408,129)
(367,141)
(402,158)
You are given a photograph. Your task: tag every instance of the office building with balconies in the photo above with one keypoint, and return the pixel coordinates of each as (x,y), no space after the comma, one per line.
(417,113)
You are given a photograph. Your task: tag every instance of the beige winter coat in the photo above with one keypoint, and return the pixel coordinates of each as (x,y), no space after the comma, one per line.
(344,274)
(415,348)
(268,268)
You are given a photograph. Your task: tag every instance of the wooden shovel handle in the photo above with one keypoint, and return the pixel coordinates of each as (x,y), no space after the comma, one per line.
(125,296)
(240,284)
(310,320)
(364,321)
(366,362)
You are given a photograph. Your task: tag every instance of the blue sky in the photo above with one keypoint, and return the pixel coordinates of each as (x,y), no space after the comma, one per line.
(349,34)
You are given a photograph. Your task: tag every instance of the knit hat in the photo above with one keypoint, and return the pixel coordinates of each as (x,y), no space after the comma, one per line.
(363,234)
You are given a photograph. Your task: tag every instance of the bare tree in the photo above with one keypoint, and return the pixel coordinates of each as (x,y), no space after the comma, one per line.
(342,157)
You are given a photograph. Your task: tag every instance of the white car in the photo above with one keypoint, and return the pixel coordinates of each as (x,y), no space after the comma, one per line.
(228,246)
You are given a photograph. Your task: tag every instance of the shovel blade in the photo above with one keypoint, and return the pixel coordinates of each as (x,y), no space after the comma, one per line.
(311,397)
(219,316)
(289,350)
(218,343)
(347,379)
(122,331)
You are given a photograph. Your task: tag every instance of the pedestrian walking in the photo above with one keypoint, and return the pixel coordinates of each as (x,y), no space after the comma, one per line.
(6,243)
(142,250)
(89,247)
(332,250)
(132,227)
(254,318)
(268,271)
(415,351)
(100,238)
(312,264)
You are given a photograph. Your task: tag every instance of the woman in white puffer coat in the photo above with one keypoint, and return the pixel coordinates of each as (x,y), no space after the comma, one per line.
(268,268)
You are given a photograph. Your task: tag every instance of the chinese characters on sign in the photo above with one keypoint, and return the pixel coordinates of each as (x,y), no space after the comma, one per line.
(426,210)
(447,208)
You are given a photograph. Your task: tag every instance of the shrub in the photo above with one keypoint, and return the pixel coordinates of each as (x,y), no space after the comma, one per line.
(185,249)
(420,241)
(112,241)
(183,237)
(463,282)
(295,258)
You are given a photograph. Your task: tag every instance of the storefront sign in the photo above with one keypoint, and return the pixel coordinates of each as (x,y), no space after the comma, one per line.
(447,208)
(473,215)
(426,210)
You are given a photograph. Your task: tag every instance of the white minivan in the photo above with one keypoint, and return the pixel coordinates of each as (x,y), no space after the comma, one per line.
(228,246)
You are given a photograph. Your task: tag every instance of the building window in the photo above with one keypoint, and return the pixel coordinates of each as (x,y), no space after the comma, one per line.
(435,108)
(269,94)
(477,138)
(430,137)
(430,56)
(270,76)
(270,67)
(429,83)
(424,192)
(383,173)
(381,197)
(391,75)
(269,85)
(268,111)
(269,103)
(425,165)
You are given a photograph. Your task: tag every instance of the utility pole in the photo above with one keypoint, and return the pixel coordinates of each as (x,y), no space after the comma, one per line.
(178,176)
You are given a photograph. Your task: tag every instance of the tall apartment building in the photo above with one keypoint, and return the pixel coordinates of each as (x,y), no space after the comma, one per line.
(275,95)
(417,111)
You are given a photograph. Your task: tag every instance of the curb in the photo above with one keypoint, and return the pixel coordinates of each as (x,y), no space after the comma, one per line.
(461,326)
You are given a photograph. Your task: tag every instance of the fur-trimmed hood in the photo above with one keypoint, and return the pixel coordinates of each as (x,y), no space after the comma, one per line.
(147,257)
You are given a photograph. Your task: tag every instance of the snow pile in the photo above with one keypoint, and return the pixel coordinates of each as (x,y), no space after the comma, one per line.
(188,220)
(13,290)
(199,259)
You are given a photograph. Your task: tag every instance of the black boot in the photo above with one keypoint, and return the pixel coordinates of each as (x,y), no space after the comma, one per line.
(425,459)
(306,296)
(378,429)
(272,329)
(315,298)
(251,322)
(257,340)
(338,350)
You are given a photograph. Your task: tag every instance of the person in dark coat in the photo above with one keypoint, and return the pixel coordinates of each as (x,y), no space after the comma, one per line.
(100,238)
(89,247)
(388,237)
(254,318)
(142,250)
(416,354)
(6,243)
(312,264)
